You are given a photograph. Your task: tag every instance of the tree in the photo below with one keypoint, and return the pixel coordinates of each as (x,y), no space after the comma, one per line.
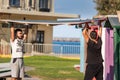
(107,7)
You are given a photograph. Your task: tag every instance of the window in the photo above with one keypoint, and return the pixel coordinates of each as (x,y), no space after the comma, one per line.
(14,3)
(40,37)
(43,5)
(30,2)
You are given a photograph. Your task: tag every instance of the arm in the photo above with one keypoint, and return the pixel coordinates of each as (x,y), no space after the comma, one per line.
(12,33)
(24,37)
(100,29)
(25,33)
(85,35)
(93,40)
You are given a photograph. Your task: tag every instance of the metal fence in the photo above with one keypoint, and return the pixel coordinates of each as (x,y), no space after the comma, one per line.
(44,49)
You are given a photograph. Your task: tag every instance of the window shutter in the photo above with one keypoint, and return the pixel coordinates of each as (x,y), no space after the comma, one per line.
(43,5)
(14,3)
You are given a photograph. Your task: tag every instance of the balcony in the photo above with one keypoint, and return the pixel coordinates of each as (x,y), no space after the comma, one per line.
(34,5)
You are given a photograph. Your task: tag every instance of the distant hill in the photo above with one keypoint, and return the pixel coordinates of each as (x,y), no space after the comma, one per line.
(66,39)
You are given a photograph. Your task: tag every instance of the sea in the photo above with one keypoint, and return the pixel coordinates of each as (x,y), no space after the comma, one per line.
(66,47)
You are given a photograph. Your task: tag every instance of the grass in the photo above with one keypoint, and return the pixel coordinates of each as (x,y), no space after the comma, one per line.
(51,68)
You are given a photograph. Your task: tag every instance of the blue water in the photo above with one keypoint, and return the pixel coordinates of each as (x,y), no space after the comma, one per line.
(66,47)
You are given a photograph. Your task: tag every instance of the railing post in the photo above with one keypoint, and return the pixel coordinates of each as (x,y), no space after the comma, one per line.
(4,49)
(61,50)
(32,50)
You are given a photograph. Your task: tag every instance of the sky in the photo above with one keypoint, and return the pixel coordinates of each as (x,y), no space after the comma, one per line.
(84,8)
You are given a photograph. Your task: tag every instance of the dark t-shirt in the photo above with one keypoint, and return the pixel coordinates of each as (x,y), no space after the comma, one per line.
(94,55)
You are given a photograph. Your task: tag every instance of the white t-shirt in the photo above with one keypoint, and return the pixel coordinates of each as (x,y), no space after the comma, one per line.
(17,48)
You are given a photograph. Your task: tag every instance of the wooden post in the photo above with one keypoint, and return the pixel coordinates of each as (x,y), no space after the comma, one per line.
(82,62)
(103,49)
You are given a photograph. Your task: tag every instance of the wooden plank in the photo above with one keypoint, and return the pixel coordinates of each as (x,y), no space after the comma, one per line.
(5,74)
(109,55)
(4,65)
(103,49)
(4,70)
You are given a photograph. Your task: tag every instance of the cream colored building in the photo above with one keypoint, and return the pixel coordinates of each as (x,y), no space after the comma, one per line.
(31,10)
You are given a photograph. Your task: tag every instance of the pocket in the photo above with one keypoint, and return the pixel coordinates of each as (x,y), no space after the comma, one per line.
(14,60)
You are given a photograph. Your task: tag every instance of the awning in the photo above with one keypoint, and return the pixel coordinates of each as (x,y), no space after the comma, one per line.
(50,22)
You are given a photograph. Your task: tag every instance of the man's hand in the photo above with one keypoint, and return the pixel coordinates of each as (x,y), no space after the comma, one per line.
(85,35)
(100,28)
(25,33)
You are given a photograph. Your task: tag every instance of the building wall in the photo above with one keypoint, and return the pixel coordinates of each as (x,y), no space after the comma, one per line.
(48,33)
(24,5)
(48,30)
(4,4)
(48,37)
(52,6)
(32,34)
(4,34)
(28,17)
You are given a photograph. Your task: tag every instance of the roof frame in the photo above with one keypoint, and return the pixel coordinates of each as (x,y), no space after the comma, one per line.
(49,22)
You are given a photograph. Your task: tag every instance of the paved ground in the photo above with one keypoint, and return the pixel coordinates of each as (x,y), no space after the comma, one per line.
(5,71)
(27,79)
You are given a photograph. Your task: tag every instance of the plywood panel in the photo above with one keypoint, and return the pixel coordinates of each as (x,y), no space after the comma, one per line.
(109,56)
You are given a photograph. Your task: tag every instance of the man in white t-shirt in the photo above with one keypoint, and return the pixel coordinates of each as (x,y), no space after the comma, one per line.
(17,43)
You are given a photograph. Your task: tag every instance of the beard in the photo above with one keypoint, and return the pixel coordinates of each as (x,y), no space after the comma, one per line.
(19,37)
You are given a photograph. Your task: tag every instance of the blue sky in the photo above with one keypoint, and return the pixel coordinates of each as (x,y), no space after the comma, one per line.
(84,8)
